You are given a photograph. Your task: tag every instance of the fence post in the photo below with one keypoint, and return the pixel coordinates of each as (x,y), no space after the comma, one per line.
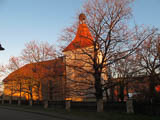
(129,105)
(68,105)
(100,105)
(19,102)
(30,102)
(46,104)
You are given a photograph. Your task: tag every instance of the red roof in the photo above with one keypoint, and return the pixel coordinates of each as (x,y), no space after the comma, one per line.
(83,38)
(39,70)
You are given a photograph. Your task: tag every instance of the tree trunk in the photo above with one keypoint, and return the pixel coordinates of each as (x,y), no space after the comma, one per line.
(112,94)
(98,87)
(152,88)
(99,92)
(20,91)
(10,100)
(107,96)
(20,95)
(130,107)
(127,91)
(121,94)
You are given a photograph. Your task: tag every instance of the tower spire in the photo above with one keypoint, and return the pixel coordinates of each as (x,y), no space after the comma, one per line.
(82,18)
(83,36)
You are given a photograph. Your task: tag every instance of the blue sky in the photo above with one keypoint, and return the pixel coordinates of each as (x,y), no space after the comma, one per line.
(24,20)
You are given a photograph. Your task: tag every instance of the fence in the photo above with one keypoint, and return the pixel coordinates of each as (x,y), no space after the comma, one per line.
(86,106)
(139,107)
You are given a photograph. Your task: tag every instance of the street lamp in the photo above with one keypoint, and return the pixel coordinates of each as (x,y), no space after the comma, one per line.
(1,48)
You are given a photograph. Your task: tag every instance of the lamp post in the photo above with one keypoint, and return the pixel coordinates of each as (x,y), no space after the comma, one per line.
(1,48)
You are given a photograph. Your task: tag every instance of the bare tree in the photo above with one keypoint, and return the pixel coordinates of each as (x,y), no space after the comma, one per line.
(67,35)
(148,59)
(14,64)
(123,72)
(112,38)
(30,84)
(37,52)
(33,53)
(2,71)
(13,85)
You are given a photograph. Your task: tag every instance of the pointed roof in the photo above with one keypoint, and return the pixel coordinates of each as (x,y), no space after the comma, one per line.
(83,38)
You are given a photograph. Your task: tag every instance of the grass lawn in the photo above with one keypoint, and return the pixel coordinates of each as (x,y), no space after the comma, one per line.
(111,116)
(88,115)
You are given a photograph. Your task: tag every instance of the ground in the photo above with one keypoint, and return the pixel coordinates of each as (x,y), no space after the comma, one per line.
(9,112)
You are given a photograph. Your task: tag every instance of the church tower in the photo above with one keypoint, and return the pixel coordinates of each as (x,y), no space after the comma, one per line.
(83,37)
(78,63)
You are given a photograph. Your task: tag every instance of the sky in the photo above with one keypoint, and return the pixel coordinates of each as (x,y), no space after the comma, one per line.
(43,20)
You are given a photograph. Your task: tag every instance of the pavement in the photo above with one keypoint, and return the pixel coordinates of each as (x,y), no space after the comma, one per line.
(43,113)
(6,114)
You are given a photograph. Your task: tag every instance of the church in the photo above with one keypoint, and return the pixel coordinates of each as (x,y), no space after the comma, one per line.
(65,78)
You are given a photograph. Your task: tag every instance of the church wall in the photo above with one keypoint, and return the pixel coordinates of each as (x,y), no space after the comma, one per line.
(80,82)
